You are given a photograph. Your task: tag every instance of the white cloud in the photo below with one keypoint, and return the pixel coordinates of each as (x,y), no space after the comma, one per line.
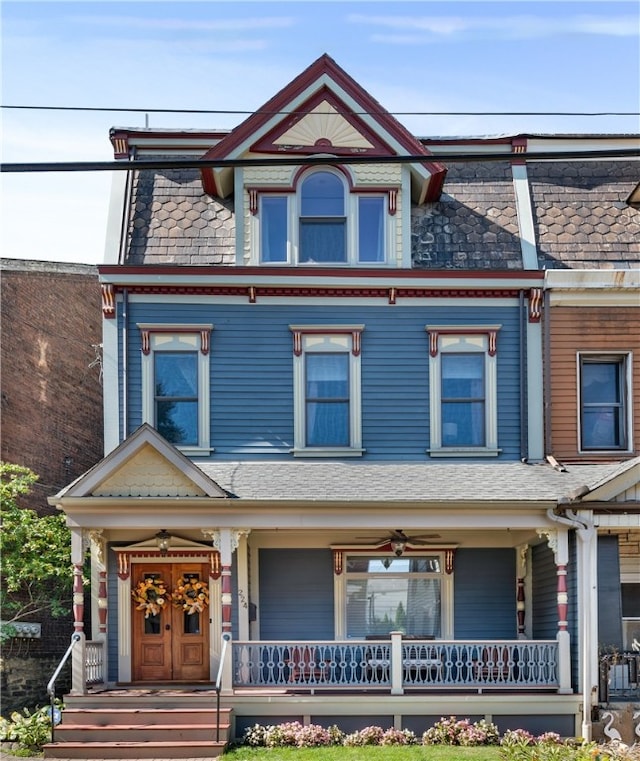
(244,24)
(509,27)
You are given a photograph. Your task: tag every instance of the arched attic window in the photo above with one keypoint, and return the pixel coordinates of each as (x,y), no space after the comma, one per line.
(325,219)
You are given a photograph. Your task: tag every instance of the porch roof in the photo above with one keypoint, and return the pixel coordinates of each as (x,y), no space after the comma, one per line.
(385,482)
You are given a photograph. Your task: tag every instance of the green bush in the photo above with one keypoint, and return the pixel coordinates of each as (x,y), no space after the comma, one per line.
(30,730)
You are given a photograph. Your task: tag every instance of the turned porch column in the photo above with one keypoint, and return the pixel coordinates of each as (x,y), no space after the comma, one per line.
(78,654)
(226,540)
(558,541)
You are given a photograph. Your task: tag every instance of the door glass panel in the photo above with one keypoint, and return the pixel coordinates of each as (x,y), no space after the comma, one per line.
(153,624)
(191,623)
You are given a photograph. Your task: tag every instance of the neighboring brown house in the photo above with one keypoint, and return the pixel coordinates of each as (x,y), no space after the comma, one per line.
(51,417)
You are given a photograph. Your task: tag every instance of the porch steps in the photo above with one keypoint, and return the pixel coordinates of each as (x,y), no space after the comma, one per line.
(107,732)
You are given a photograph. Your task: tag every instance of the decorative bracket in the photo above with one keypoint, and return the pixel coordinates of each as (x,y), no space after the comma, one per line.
(535,304)
(108,300)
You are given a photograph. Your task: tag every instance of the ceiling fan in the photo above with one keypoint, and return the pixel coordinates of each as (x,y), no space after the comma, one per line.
(399,540)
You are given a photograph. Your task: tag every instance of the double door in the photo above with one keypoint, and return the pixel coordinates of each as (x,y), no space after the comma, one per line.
(172,644)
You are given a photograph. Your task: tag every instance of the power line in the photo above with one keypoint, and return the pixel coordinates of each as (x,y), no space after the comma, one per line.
(227,112)
(144,164)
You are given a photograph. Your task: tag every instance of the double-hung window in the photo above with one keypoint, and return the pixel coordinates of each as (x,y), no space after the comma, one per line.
(175,383)
(326,373)
(323,220)
(604,406)
(411,594)
(463,390)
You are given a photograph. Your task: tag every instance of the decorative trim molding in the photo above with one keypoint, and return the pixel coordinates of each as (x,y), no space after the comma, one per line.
(126,557)
(436,332)
(323,330)
(146,331)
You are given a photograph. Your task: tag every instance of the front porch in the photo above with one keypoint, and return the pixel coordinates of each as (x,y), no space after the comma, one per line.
(398,664)
(400,682)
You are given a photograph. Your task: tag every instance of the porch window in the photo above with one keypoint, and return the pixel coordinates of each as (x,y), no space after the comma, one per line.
(603,402)
(385,594)
(326,369)
(463,391)
(175,383)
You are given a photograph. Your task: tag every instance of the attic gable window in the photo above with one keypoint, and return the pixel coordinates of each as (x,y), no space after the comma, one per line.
(323,220)
(323,223)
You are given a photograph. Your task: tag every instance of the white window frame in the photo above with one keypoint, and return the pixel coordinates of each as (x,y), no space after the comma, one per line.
(626,360)
(327,339)
(352,196)
(463,339)
(176,338)
(446,589)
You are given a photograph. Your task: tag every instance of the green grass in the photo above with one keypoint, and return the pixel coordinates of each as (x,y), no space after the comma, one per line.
(368,753)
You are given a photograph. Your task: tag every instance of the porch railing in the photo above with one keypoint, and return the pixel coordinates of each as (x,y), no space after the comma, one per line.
(425,664)
(619,676)
(94,661)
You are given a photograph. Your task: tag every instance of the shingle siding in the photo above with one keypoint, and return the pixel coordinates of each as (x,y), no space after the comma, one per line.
(474,224)
(581,217)
(174,222)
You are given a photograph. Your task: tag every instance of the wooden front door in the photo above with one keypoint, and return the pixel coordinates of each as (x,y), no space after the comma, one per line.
(172,644)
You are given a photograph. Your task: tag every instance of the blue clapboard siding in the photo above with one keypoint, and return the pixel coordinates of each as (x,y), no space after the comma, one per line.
(112,617)
(544,603)
(572,592)
(252,373)
(485,594)
(296,594)
(609,593)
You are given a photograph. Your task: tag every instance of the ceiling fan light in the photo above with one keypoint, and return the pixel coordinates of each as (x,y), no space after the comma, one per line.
(398,546)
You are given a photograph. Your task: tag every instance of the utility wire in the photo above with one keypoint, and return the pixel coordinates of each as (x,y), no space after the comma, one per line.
(146,164)
(227,112)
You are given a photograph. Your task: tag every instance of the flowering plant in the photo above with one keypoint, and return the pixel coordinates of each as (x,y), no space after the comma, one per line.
(150,595)
(191,594)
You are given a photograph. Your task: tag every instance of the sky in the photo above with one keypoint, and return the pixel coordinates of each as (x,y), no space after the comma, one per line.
(229,56)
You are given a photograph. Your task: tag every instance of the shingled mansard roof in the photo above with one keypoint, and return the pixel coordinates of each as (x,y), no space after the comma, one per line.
(464,215)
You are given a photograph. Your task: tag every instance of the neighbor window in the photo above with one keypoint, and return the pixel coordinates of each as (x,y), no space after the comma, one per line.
(463,390)
(603,402)
(324,220)
(175,383)
(385,594)
(326,366)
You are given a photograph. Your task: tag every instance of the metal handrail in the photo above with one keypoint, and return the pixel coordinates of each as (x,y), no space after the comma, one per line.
(51,691)
(225,644)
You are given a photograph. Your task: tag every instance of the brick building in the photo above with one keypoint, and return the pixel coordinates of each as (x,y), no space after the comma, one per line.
(51,417)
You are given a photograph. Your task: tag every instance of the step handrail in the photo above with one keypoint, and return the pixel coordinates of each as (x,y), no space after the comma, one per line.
(223,654)
(51,689)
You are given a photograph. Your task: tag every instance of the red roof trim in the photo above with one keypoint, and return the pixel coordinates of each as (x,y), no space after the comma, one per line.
(391,295)
(154,271)
(324,65)
(266,143)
